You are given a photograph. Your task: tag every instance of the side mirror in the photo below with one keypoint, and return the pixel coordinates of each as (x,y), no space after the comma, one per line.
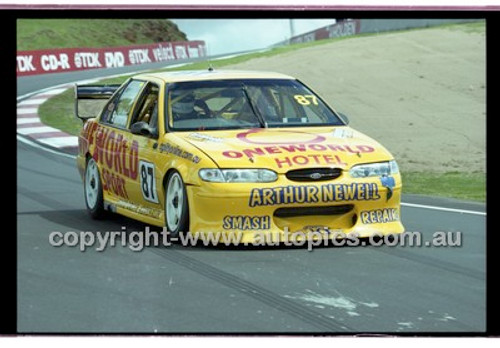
(142,128)
(344,118)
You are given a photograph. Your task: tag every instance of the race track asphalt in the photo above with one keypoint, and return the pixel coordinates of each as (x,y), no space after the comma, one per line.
(364,289)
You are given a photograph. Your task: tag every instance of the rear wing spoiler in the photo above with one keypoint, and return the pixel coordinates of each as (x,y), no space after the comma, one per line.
(90,99)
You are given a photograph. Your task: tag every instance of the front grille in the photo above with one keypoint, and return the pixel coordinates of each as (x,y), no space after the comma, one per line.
(314,174)
(305,211)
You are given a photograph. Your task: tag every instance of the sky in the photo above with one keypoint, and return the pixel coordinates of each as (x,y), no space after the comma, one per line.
(233,35)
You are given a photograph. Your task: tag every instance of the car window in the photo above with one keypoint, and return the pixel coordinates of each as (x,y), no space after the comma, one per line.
(246,103)
(125,102)
(110,106)
(153,122)
(147,106)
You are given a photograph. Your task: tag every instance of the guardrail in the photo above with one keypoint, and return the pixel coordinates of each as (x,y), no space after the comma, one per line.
(72,59)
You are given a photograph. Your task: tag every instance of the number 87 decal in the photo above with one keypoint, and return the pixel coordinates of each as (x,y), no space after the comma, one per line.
(306,99)
(148,182)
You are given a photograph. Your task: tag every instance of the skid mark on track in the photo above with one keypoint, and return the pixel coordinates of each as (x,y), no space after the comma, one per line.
(42,199)
(58,177)
(292,308)
(404,253)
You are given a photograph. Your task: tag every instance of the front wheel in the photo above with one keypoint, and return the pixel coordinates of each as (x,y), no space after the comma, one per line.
(93,190)
(176,205)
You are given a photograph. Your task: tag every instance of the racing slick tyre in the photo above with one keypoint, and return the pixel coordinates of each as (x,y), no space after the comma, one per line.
(93,190)
(176,205)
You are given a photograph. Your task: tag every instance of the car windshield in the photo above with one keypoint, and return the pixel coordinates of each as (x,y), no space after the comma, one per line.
(249,103)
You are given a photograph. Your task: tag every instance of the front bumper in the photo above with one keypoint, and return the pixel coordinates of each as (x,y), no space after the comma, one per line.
(285,210)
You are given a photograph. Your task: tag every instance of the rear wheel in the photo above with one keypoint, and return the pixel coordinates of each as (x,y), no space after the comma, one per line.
(93,190)
(176,205)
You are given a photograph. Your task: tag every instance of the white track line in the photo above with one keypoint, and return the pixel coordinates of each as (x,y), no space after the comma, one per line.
(35,144)
(55,91)
(37,101)
(230,56)
(433,207)
(175,66)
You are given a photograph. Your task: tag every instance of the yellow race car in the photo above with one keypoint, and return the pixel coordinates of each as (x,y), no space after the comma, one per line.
(232,152)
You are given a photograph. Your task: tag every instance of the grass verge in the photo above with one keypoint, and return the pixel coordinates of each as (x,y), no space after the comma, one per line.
(35,34)
(59,112)
(468,186)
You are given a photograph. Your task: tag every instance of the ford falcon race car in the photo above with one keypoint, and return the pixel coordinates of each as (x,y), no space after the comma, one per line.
(232,152)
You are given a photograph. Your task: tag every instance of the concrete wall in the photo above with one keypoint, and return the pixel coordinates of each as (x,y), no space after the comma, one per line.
(379,25)
(355,26)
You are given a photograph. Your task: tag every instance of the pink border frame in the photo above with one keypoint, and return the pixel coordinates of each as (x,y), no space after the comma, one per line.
(211,7)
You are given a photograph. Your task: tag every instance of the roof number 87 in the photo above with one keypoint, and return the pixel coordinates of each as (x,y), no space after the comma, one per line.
(306,99)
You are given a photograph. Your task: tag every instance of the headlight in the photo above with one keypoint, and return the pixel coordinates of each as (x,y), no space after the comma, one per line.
(374,169)
(238,175)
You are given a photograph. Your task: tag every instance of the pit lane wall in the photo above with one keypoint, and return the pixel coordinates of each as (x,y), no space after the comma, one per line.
(349,27)
(72,59)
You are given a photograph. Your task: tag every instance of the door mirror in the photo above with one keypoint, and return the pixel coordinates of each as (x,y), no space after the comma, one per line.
(344,118)
(142,128)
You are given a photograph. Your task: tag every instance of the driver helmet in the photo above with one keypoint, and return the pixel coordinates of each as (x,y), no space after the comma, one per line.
(182,103)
